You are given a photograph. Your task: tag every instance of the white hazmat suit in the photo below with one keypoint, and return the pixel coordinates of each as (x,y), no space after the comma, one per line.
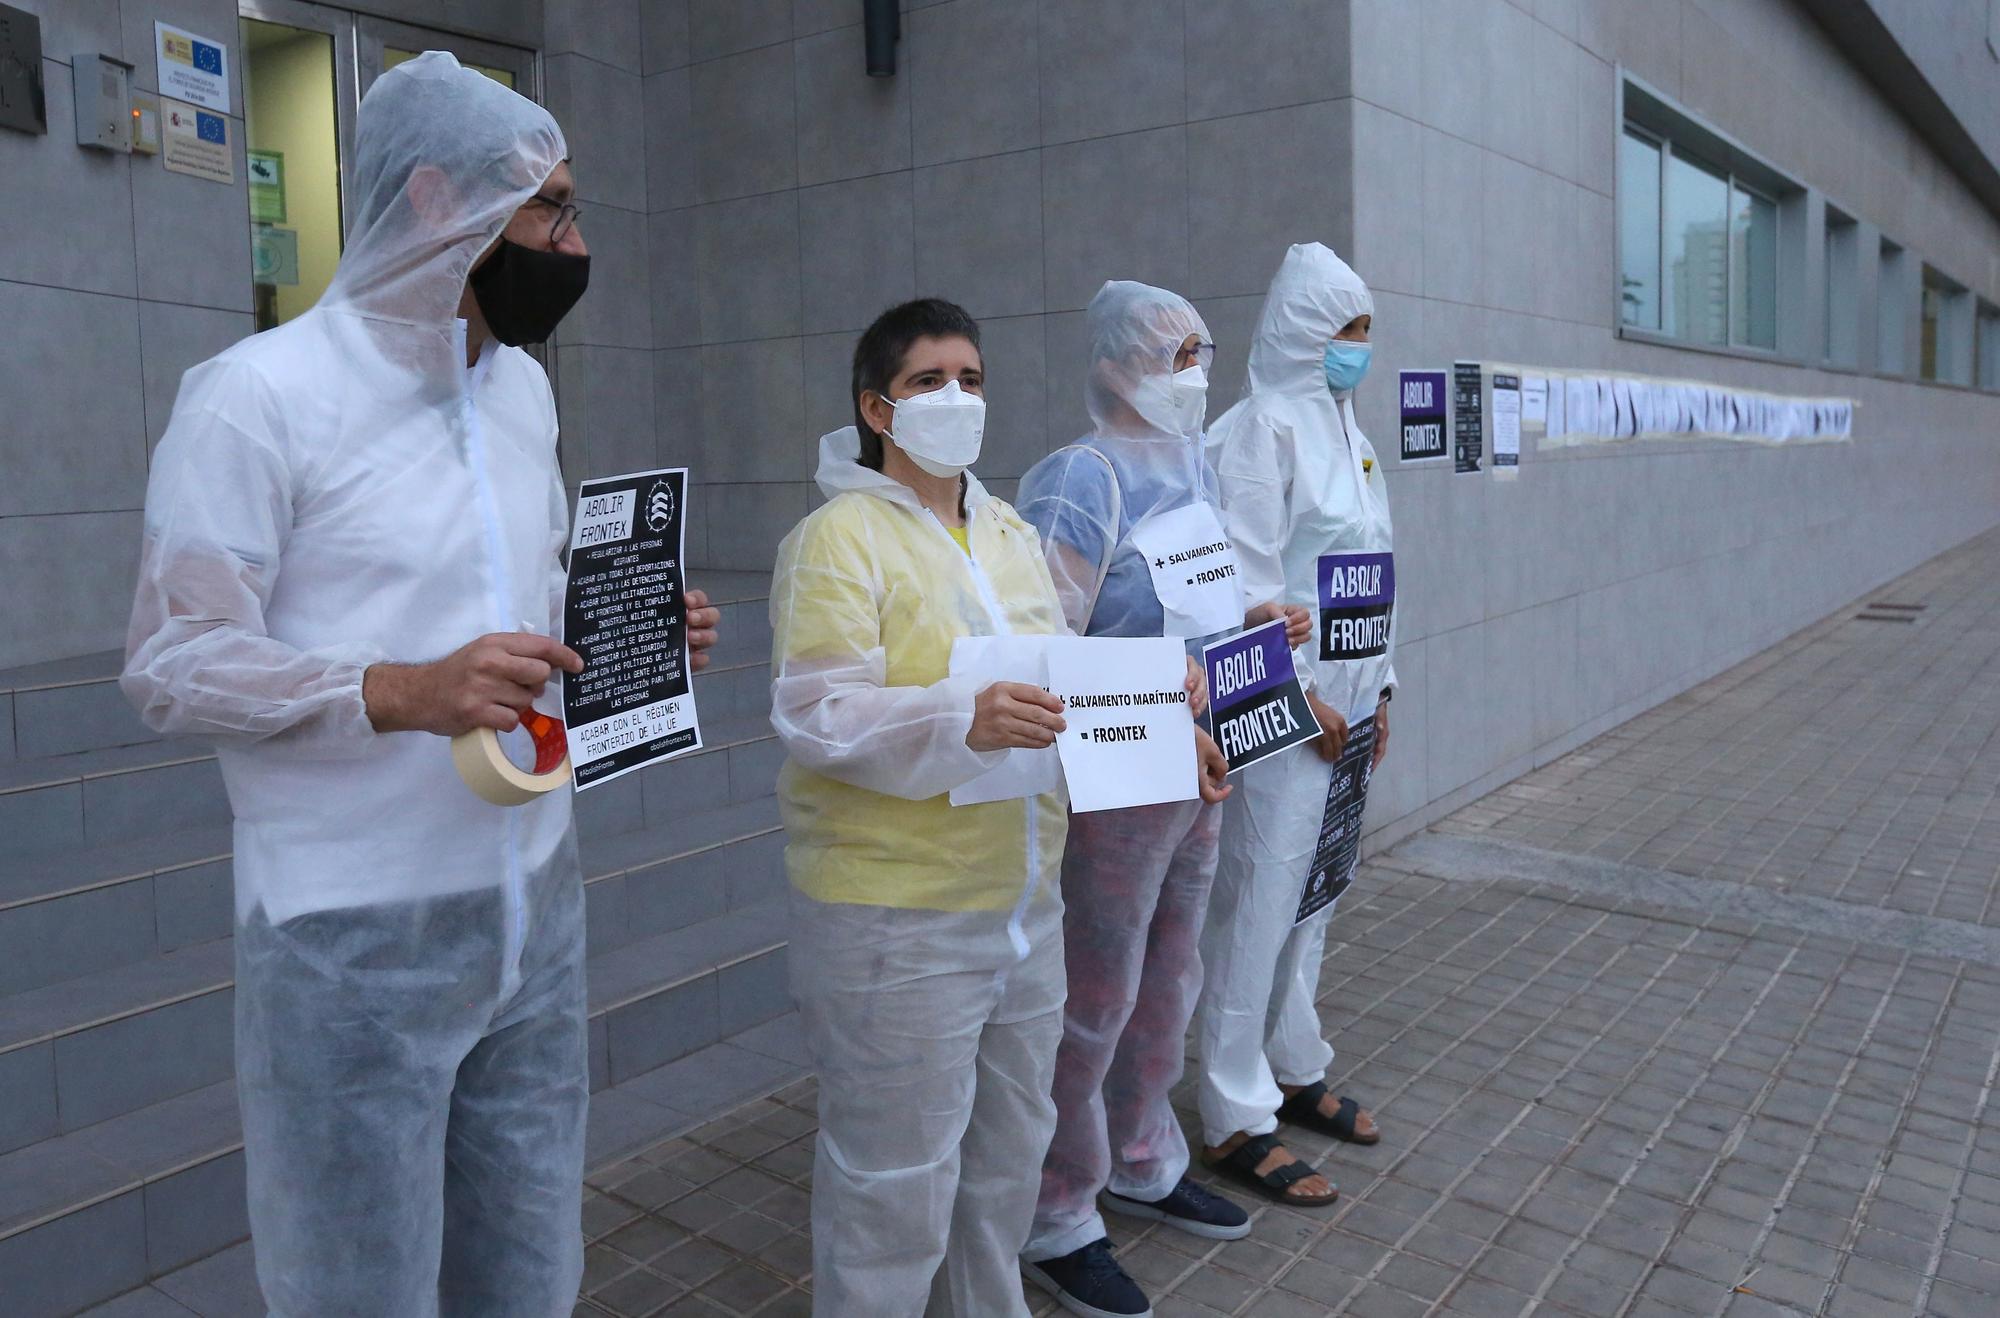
(1300,484)
(334,493)
(926,944)
(1136,881)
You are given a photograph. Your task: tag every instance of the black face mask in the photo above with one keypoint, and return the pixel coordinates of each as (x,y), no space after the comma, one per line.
(523,292)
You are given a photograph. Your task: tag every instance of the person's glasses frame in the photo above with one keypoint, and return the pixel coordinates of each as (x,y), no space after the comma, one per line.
(565,220)
(1202,355)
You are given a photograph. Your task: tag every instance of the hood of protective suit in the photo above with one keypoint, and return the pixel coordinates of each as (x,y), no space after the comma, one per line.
(1313,296)
(1087,500)
(444,156)
(840,471)
(1135,331)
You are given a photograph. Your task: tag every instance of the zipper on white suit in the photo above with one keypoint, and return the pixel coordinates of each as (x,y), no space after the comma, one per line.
(1016,919)
(513,899)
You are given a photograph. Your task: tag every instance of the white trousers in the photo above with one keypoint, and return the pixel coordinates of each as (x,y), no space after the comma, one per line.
(413,1127)
(935,1043)
(1257,1024)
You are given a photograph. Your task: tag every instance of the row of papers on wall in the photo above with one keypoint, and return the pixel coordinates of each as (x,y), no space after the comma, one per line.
(1561,408)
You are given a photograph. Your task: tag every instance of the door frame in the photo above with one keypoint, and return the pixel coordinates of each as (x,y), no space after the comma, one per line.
(358,40)
(371,34)
(338,24)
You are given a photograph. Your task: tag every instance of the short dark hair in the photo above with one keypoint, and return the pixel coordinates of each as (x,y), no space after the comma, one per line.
(883,347)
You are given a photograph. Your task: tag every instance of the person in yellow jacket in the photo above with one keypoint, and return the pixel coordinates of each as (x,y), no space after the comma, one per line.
(926,939)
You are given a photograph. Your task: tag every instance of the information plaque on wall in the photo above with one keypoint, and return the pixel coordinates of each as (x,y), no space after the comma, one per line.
(1467,424)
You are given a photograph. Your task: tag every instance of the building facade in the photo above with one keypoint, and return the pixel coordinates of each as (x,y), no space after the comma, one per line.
(1800,197)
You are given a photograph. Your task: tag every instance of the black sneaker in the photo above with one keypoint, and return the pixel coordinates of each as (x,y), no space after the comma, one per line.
(1089,1282)
(1192,1207)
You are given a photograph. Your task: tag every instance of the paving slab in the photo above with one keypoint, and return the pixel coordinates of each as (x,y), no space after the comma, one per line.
(1702,1018)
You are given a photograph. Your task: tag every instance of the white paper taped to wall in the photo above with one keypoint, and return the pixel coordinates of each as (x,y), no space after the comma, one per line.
(1563,408)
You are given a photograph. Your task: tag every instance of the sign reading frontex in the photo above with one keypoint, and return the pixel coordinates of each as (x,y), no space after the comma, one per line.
(1424,401)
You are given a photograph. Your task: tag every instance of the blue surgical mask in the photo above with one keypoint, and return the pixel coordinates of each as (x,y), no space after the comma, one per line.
(1346,363)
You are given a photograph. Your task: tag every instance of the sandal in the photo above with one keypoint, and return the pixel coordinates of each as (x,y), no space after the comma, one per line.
(1302,1109)
(1240,1165)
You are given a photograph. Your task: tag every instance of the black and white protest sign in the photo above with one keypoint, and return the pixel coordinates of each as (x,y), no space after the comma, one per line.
(1339,848)
(1468,425)
(1256,705)
(625,612)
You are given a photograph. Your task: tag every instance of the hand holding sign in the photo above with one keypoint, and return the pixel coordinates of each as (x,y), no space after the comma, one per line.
(1260,707)
(1333,728)
(1129,738)
(1014,715)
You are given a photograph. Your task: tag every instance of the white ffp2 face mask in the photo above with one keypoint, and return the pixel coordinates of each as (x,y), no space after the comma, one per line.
(941,430)
(1179,401)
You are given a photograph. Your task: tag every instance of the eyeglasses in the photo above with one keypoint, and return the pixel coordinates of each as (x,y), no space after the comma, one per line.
(566,213)
(1202,355)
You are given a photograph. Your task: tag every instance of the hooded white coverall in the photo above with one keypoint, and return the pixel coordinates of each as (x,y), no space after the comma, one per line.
(926,939)
(1136,881)
(1299,481)
(337,492)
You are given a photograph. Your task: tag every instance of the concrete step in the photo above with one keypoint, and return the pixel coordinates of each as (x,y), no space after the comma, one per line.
(81,771)
(93,1214)
(91,798)
(727,586)
(52,805)
(66,706)
(93,1047)
(109,795)
(69,706)
(72,913)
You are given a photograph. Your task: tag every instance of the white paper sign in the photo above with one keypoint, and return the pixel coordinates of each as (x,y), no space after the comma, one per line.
(1194,570)
(1130,739)
(1535,398)
(191,68)
(1580,405)
(1507,425)
(990,659)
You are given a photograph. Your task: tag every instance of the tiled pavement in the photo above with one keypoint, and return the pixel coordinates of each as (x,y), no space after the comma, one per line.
(1703,1018)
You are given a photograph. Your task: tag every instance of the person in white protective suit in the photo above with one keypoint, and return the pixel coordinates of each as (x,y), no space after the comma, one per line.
(335,503)
(1303,500)
(926,945)
(1133,493)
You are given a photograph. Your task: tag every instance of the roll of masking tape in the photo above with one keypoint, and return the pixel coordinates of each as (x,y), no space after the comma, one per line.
(484,765)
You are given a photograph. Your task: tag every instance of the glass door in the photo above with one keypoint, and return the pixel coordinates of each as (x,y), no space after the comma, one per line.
(298,79)
(381,45)
(305,68)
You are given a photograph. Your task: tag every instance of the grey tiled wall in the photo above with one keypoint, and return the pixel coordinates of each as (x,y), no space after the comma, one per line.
(1025,151)
(753,200)
(1540,612)
(114,277)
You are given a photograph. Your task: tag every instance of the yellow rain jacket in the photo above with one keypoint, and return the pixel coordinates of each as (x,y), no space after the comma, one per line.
(871,591)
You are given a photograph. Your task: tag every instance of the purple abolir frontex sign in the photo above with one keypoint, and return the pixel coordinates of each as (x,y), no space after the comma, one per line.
(1357,600)
(1256,704)
(1246,666)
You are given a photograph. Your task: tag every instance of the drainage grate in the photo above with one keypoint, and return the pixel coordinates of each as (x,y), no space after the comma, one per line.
(1884,611)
